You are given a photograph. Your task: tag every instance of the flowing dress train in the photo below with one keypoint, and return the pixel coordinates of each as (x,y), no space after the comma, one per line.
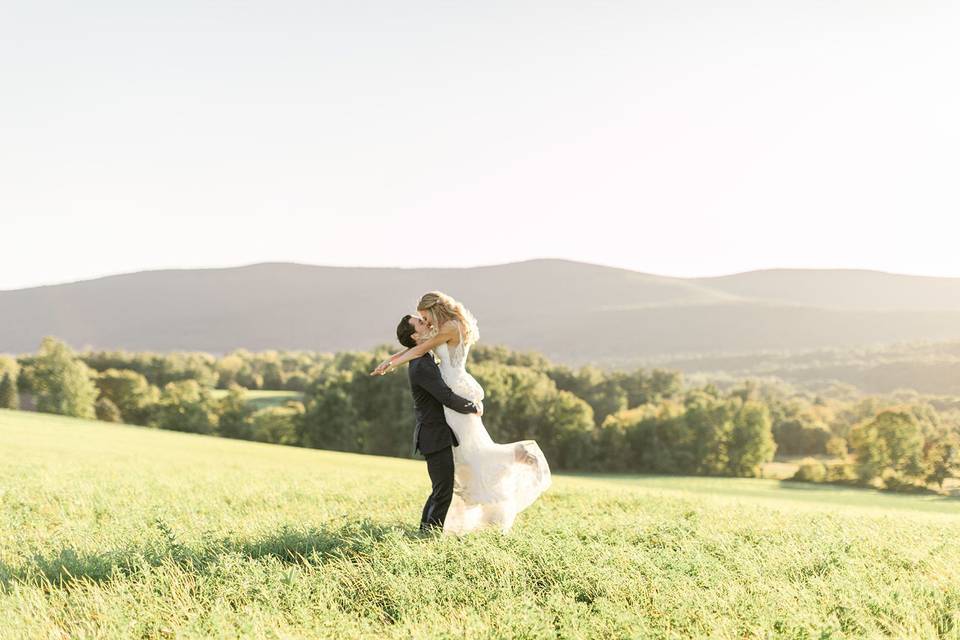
(493,482)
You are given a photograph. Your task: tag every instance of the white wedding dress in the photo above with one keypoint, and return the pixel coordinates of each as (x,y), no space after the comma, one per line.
(492,482)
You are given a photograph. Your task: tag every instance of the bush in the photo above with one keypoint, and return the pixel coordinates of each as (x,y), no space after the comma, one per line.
(841,473)
(893,481)
(811,470)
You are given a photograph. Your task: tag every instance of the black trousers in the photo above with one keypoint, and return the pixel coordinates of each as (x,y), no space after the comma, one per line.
(440,468)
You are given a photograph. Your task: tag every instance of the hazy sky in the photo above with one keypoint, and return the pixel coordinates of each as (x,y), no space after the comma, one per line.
(674,137)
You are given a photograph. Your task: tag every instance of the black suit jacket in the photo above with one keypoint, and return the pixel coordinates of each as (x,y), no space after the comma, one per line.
(430,395)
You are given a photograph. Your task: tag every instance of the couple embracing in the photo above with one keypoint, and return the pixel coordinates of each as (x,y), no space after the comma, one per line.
(476,482)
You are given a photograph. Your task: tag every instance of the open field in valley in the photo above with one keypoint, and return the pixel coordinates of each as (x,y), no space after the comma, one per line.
(127,532)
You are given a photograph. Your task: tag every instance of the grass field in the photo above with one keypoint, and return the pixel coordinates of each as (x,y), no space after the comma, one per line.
(114,531)
(263,398)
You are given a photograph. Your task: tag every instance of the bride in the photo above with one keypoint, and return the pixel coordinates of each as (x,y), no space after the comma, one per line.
(493,482)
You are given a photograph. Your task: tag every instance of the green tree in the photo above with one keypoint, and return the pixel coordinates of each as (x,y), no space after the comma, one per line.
(851,415)
(663,440)
(271,369)
(751,440)
(9,397)
(603,393)
(837,447)
(612,449)
(11,367)
(383,408)
(523,404)
(130,391)
(643,388)
(297,382)
(802,434)
(482,354)
(709,419)
(62,383)
(639,440)
(228,370)
(331,420)
(278,425)
(943,458)
(235,413)
(890,448)
(185,406)
(663,384)
(107,411)
(570,433)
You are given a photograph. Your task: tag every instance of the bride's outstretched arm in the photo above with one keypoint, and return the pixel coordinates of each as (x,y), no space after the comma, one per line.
(397,355)
(446,332)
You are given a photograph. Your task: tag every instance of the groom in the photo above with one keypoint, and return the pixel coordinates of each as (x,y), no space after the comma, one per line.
(433,436)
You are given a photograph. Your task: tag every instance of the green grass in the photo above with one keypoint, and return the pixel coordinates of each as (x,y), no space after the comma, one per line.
(114,531)
(264,398)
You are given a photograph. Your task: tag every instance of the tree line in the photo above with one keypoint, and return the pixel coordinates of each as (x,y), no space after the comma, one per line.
(587,419)
(928,367)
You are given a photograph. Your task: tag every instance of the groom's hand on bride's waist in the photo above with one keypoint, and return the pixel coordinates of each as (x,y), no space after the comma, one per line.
(479,405)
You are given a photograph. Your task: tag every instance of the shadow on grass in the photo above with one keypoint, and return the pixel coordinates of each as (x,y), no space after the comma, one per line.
(66,568)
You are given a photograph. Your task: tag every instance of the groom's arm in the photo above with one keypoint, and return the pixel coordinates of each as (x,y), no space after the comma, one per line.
(430,379)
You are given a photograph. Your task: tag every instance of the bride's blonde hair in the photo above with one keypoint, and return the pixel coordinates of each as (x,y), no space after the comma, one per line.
(444,308)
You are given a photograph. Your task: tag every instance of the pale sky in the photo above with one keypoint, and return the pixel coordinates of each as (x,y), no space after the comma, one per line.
(675,137)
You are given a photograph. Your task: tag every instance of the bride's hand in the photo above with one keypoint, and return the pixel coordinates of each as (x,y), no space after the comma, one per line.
(381,368)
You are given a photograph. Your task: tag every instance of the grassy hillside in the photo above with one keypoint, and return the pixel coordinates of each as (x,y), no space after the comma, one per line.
(116,531)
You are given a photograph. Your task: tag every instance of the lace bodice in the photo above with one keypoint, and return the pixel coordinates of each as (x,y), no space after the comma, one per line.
(455,358)
(453,368)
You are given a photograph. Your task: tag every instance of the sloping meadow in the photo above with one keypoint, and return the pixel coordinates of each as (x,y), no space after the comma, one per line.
(125,532)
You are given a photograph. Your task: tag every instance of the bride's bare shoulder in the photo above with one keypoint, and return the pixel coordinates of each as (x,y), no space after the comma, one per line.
(450,326)
(451,329)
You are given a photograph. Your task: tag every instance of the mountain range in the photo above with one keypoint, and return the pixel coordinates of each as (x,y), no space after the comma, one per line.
(571,312)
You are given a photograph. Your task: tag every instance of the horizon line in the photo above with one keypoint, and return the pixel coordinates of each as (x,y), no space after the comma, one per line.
(263,263)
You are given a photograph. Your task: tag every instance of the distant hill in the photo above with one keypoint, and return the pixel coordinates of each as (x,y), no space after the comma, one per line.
(571,312)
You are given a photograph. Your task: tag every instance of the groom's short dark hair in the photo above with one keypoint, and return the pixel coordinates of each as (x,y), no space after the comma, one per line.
(405,332)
